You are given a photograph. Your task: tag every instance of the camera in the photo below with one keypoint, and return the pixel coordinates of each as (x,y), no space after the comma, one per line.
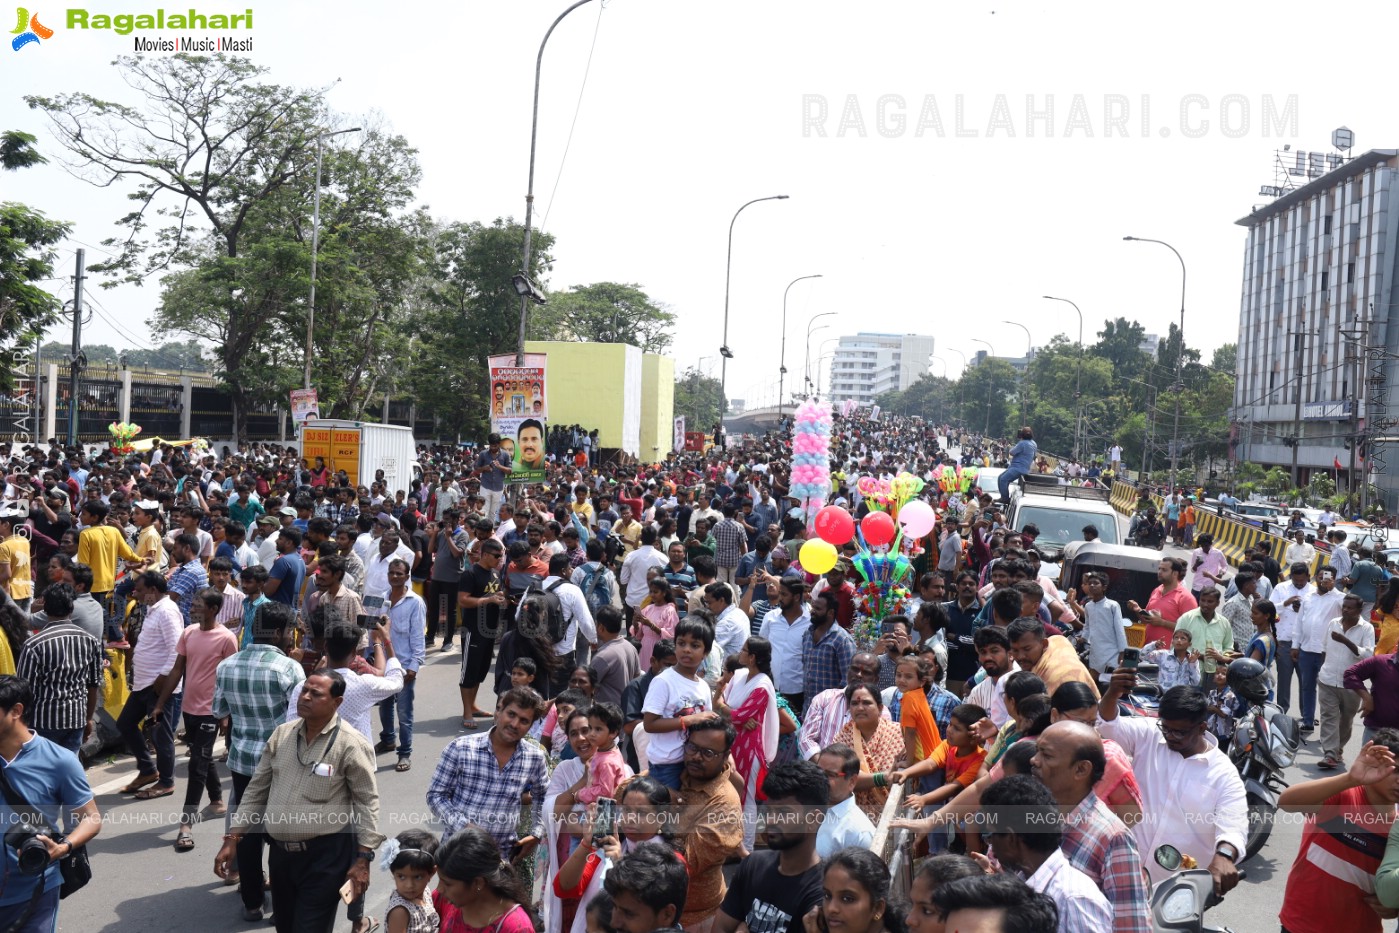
(30,852)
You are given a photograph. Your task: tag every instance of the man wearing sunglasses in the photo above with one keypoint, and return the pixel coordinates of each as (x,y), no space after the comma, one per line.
(1192,797)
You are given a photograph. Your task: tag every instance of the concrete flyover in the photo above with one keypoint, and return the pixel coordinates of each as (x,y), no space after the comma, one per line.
(756,420)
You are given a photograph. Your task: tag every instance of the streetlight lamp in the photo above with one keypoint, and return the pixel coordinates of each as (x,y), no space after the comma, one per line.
(1179,386)
(821,354)
(1029,341)
(806,367)
(315,245)
(1078,377)
(526,289)
(782,358)
(945,370)
(1029,351)
(724,350)
(986,430)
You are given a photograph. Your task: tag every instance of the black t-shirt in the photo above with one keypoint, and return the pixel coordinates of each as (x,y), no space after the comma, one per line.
(484,621)
(767,901)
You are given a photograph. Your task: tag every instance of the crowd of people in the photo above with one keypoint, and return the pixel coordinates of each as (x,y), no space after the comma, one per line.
(684,730)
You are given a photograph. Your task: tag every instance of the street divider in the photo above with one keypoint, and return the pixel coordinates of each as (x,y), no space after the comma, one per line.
(1231,535)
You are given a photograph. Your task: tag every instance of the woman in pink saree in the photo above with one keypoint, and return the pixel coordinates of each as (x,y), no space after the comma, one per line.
(750,699)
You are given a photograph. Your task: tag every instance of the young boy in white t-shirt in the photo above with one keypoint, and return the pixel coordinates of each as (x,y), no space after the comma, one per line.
(678,698)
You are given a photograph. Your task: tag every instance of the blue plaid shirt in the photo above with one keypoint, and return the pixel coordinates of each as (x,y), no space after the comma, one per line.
(827,661)
(187,580)
(942,702)
(469,787)
(254,687)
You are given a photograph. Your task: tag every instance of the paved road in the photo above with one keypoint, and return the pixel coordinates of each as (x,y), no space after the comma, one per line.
(141,883)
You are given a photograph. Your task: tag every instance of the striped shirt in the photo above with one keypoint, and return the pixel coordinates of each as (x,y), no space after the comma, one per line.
(61,663)
(231,612)
(254,688)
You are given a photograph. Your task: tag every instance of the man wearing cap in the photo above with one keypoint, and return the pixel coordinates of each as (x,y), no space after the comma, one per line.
(493,467)
(268,530)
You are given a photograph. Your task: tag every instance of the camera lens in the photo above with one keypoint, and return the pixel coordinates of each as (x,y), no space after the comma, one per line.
(32,856)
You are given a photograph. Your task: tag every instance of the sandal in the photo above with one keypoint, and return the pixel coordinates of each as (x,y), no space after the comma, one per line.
(151,793)
(184,842)
(366,925)
(403,764)
(142,780)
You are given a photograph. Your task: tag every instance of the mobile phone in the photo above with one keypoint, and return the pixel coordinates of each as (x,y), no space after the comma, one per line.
(606,822)
(1131,658)
(889,628)
(347,892)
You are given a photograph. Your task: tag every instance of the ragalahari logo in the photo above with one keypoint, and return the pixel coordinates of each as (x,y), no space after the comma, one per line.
(28,30)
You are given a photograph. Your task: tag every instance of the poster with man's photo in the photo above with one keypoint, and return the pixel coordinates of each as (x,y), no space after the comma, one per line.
(520,411)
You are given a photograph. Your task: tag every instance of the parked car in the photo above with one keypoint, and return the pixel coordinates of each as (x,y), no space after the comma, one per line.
(1061,512)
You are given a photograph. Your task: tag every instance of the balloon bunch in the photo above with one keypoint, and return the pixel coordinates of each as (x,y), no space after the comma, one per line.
(811,456)
(956,479)
(123,433)
(887,538)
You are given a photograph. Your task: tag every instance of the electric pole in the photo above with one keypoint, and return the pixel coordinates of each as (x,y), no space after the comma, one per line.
(75,359)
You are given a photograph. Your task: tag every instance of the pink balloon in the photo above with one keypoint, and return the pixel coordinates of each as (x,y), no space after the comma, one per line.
(917,518)
(878,529)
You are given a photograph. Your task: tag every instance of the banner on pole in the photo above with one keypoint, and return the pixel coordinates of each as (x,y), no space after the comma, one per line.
(679,441)
(304,405)
(520,412)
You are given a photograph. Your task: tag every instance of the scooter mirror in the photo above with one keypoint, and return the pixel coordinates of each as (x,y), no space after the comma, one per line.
(1168,857)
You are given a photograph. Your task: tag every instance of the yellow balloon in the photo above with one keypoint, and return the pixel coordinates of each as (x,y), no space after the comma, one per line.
(818,556)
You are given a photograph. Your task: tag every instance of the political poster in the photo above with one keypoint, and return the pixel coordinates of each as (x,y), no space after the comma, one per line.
(694,441)
(517,392)
(679,441)
(304,405)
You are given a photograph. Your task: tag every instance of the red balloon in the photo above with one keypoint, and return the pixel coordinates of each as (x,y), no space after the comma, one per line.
(834,525)
(878,529)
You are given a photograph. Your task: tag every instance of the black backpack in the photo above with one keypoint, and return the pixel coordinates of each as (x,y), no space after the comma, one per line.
(542,614)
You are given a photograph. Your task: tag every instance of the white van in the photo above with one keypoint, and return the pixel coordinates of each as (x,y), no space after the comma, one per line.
(1061,512)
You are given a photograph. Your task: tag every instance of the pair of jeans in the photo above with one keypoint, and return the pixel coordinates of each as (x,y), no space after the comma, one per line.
(138,707)
(306,884)
(71,739)
(201,732)
(1308,667)
(402,703)
(1285,669)
(668,774)
(44,917)
(1006,478)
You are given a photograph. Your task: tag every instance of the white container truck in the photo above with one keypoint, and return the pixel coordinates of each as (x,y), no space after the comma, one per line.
(360,449)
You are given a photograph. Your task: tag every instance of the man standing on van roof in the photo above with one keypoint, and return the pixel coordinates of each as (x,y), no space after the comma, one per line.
(1022,458)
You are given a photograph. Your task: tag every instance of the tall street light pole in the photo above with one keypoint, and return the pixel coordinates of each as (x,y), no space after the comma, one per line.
(987,429)
(724,350)
(782,360)
(1024,392)
(1078,377)
(527,290)
(806,367)
(315,246)
(1179,386)
(960,389)
(1150,444)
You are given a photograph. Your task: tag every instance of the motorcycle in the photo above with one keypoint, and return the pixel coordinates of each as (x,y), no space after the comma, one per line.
(1265,742)
(1180,902)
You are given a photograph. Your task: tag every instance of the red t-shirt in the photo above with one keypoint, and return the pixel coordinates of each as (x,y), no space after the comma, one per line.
(1342,846)
(1172,606)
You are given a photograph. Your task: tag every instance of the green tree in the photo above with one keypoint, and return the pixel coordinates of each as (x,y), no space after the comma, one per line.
(607,312)
(1120,343)
(27,256)
(988,391)
(1225,358)
(207,149)
(470,311)
(700,399)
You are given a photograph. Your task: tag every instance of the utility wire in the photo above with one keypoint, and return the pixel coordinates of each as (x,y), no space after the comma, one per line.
(544,220)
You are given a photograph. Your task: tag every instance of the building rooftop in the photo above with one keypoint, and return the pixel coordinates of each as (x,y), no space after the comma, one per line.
(1354,167)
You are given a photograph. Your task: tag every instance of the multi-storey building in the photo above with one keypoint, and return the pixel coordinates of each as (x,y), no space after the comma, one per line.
(866,366)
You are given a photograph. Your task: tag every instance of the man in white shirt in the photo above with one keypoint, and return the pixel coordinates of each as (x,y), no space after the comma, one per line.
(784,627)
(1309,646)
(1192,796)
(731,626)
(1299,551)
(1021,817)
(268,526)
(633,577)
(993,653)
(376,568)
(363,692)
(1348,639)
(1287,597)
(1115,458)
(844,824)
